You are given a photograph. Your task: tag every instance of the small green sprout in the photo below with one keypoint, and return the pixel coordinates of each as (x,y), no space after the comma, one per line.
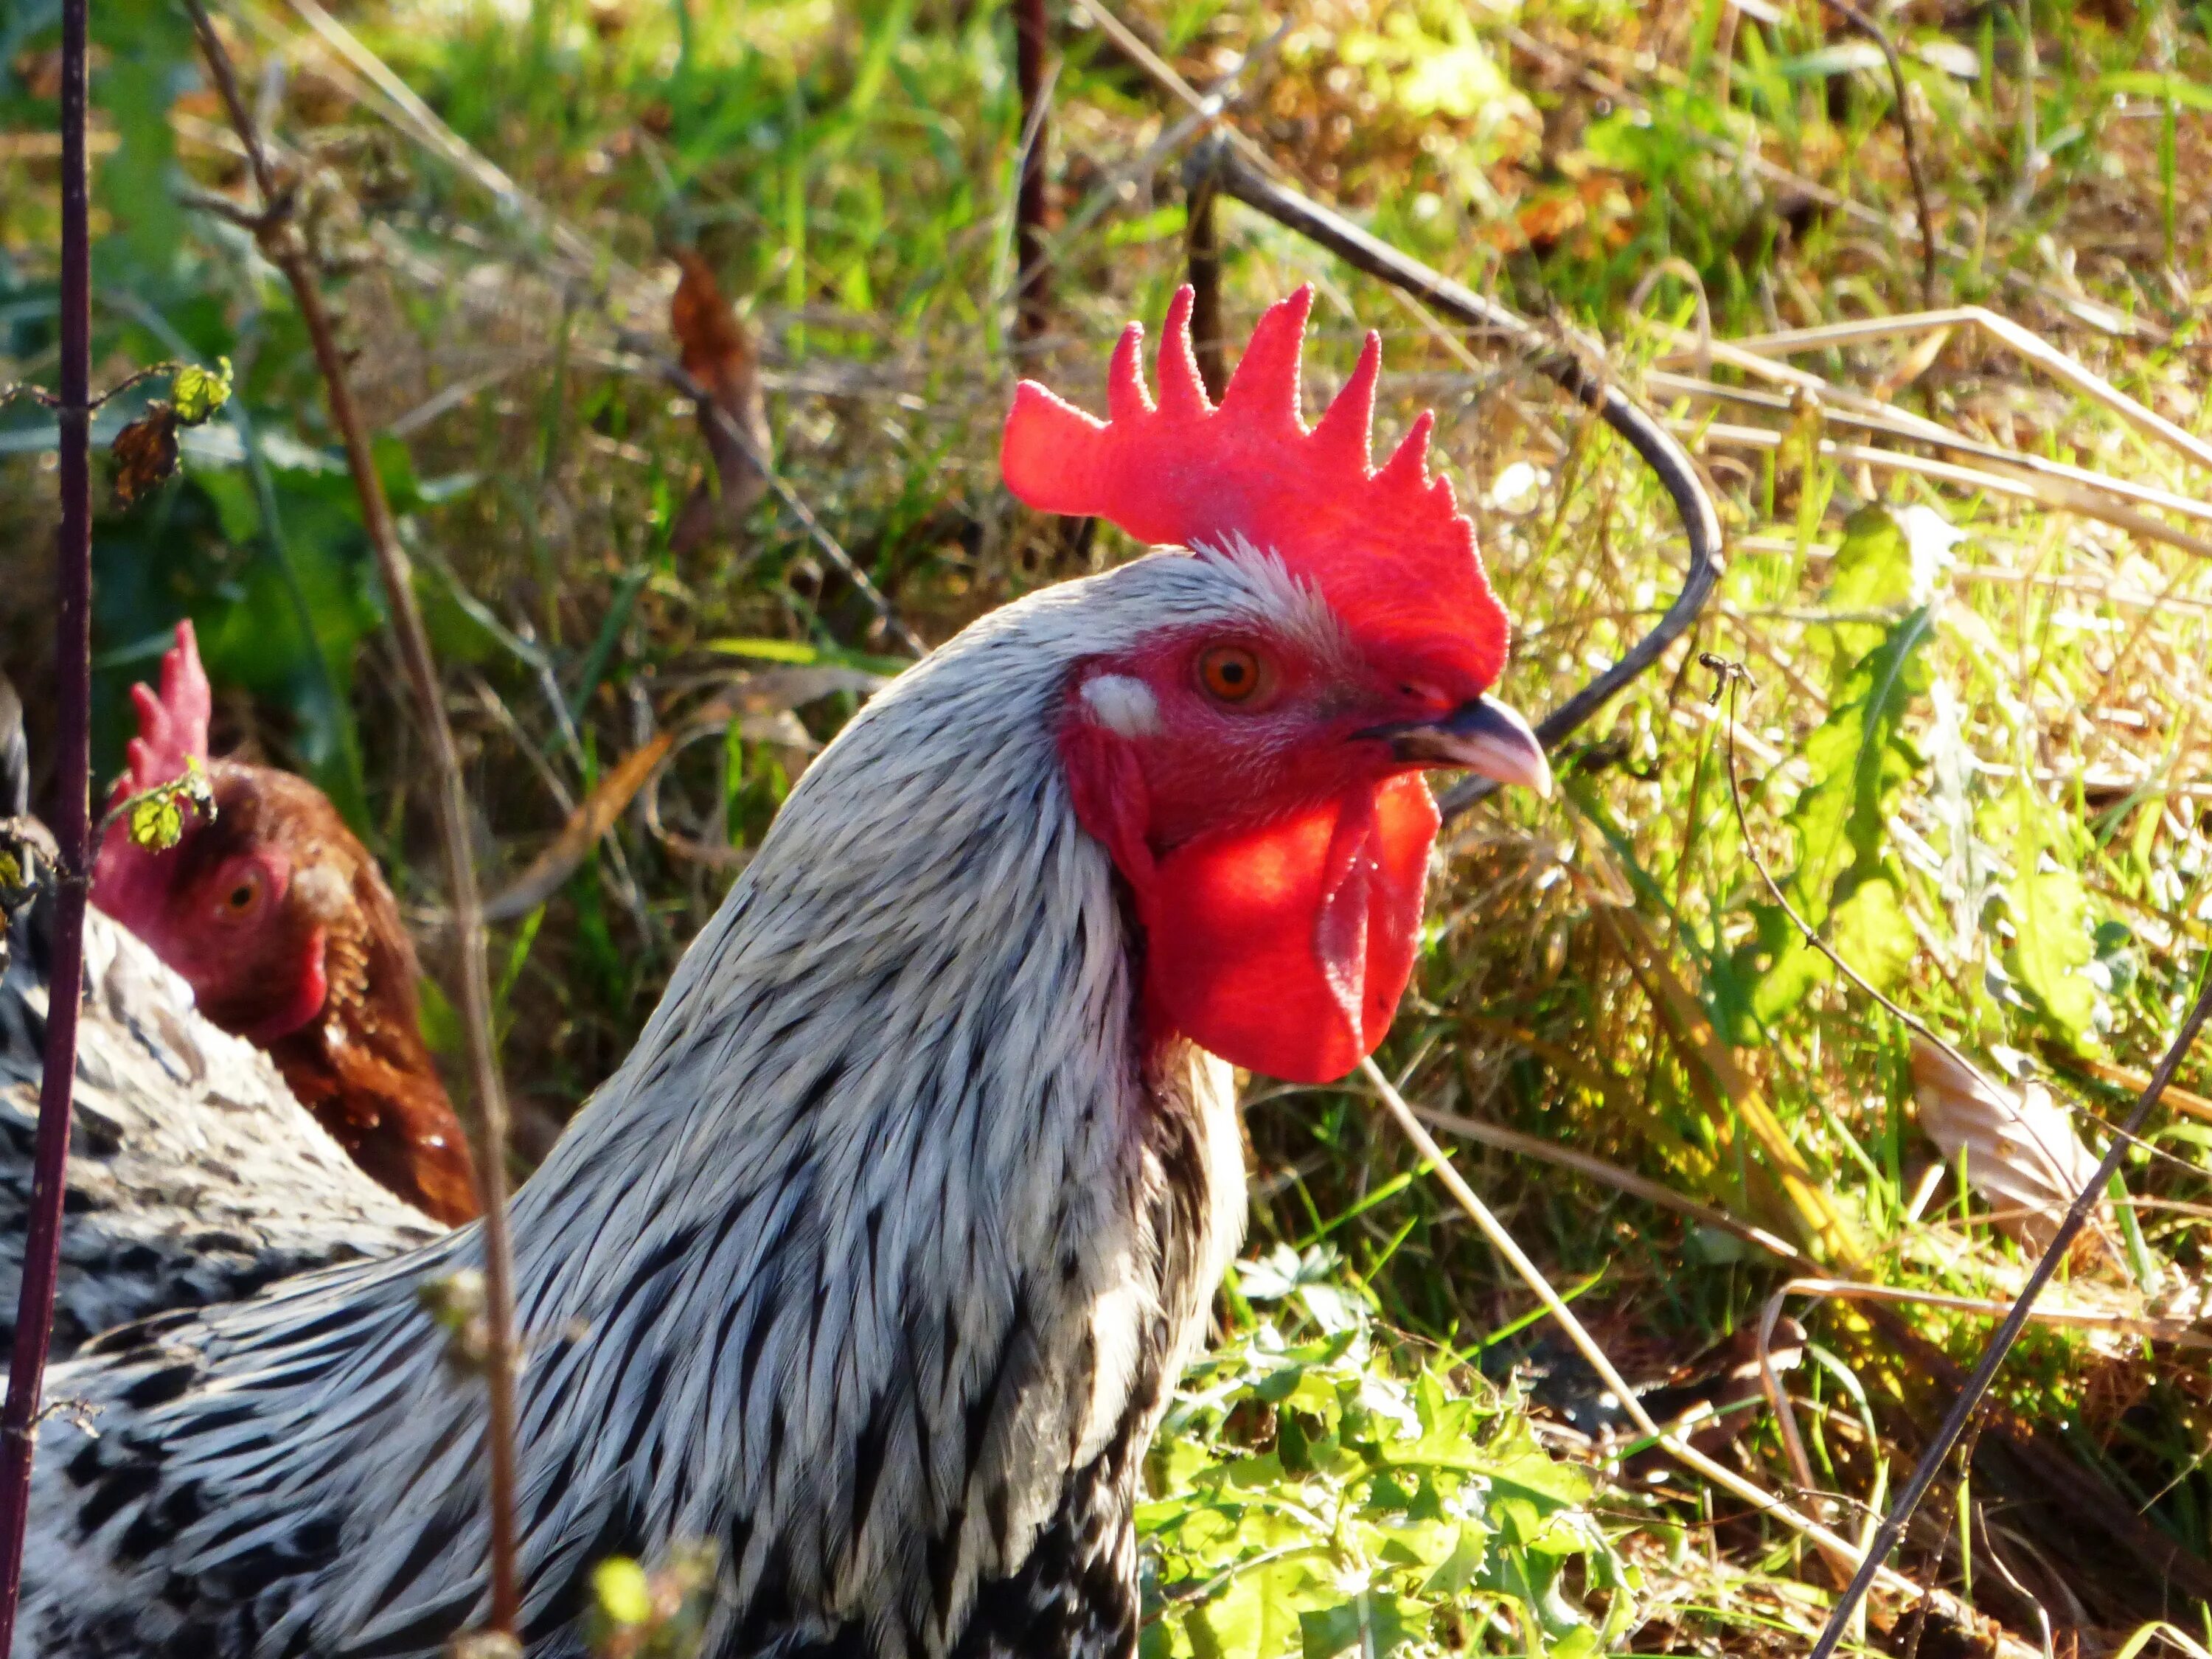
(639,1615)
(456,1303)
(145,452)
(198,394)
(622,1592)
(155,818)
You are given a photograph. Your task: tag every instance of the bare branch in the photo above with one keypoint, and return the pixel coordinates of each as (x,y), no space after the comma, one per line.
(281,242)
(1203,250)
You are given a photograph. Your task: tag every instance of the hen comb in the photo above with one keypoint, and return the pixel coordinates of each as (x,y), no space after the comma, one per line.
(1388,548)
(172,726)
(131,882)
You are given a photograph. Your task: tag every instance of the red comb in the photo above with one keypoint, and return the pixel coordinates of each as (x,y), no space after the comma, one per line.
(131,882)
(172,728)
(1389,548)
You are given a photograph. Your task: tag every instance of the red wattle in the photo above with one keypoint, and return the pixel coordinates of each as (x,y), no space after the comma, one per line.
(1284,948)
(314,989)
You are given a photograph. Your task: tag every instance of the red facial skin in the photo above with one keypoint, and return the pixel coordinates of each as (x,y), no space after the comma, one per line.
(1276,856)
(279,920)
(254,952)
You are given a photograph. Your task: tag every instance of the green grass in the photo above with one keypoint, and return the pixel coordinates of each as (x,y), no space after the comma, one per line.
(1978,768)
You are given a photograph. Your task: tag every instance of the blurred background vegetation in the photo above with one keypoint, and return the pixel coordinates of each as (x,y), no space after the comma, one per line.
(1974,756)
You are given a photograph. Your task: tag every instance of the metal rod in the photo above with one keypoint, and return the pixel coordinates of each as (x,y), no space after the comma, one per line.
(1203,246)
(1216,163)
(1033,292)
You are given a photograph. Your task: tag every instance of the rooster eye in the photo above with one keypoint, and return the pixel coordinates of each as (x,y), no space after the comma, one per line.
(241,896)
(1230,673)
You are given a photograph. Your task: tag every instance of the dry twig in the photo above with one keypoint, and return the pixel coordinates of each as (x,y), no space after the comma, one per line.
(1203,252)
(2003,330)
(282,244)
(1867,25)
(1749,1491)
(1609,1175)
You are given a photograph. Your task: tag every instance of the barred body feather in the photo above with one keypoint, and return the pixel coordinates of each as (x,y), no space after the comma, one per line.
(872,1265)
(194,1175)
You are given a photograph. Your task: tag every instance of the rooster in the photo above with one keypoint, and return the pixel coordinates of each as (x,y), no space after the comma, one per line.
(282,925)
(874,1263)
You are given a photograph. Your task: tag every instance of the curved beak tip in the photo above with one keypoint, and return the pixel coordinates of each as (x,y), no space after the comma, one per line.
(1540,778)
(1485,736)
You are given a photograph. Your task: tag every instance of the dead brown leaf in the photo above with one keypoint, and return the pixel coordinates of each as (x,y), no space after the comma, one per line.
(719,353)
(145,453)
(2019,1149)
(1548,218)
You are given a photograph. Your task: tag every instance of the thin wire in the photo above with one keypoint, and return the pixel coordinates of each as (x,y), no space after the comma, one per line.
(2001,1342)
(1731,674)
(1222,160)
(1679,1449)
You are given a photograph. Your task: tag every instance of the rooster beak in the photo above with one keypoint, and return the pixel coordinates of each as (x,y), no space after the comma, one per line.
(1485,736)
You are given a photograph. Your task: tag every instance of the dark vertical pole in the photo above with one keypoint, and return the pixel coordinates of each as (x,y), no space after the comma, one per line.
(1205,251)
(1033,284)
(34,1311)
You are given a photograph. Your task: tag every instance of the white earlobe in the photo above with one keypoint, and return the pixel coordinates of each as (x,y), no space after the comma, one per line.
(1123,705)
(322,890)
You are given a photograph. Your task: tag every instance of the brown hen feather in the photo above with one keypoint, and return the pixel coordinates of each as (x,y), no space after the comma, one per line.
(360,1065)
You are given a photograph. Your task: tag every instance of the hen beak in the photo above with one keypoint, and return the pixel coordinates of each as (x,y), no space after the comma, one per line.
(1485,736)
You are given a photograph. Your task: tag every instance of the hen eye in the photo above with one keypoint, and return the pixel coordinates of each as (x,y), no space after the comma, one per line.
(239,899)
(1230,673)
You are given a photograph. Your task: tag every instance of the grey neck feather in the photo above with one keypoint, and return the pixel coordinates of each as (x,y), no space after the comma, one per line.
(861,1246)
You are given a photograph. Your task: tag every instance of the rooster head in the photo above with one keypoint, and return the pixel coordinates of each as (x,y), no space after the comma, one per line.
(239,905)
(1260,788)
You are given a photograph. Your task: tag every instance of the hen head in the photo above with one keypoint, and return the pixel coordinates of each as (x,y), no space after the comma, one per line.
(242,905)
(1258,787)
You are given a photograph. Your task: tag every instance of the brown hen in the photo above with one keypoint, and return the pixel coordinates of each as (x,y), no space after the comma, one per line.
(279,918)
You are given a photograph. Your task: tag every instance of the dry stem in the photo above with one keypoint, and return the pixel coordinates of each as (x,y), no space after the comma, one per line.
(2006,333)
(1866,25)
(35,1308)
(281,242)
(1681,1450)
(1970,1397)
(1203,247)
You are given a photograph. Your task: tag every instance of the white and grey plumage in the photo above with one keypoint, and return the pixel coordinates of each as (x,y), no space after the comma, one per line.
(194,1176)
(872,1264)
